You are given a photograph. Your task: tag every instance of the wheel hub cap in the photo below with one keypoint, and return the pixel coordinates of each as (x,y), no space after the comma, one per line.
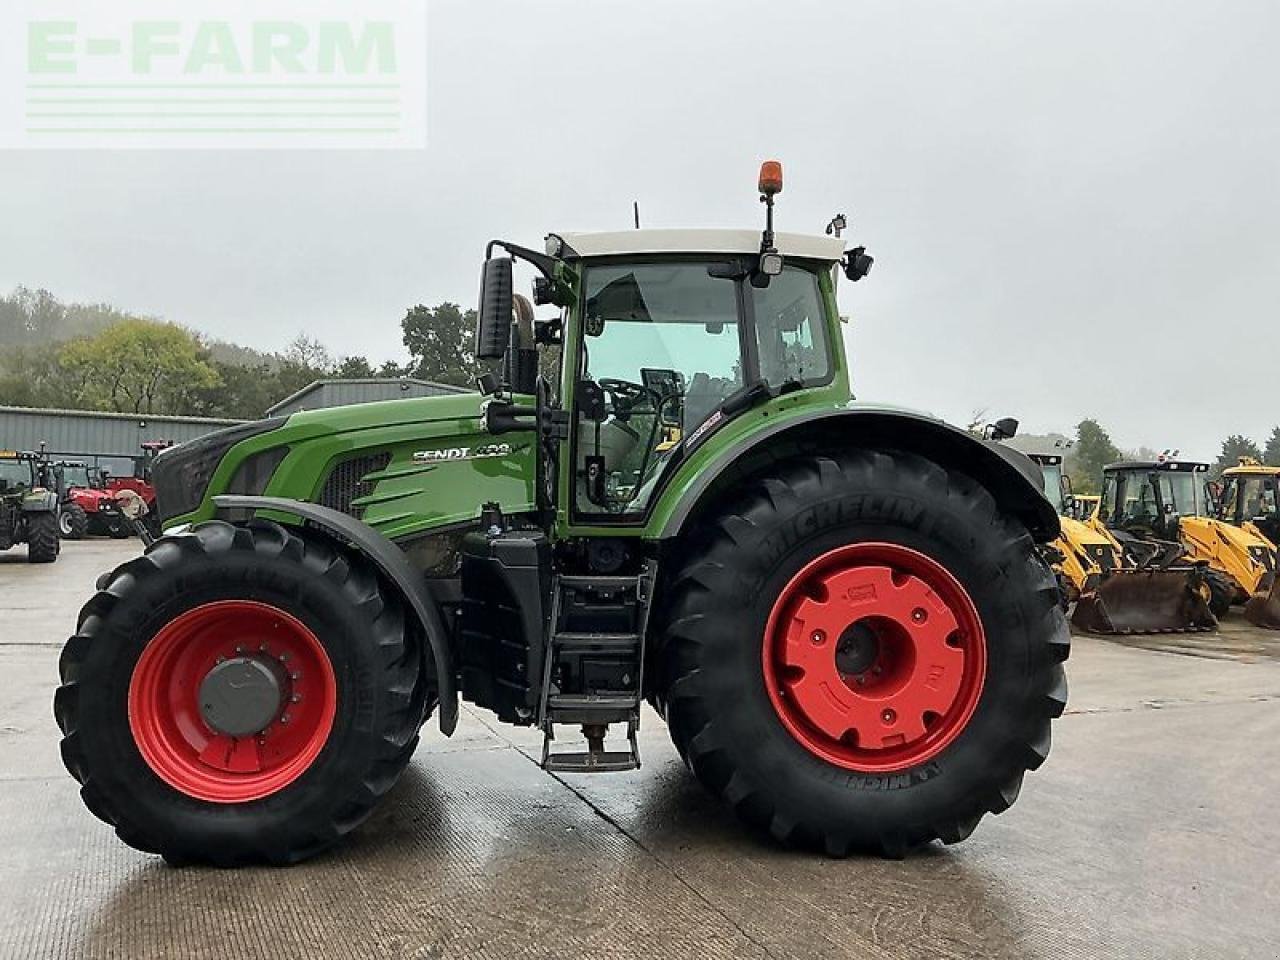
(231,701)
(243,695)
(874,657)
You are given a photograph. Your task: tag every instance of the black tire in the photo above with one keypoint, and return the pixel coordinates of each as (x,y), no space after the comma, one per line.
(118,528)
(381,694)
(43,542)
(708,659)
(1222,592)
(73,522)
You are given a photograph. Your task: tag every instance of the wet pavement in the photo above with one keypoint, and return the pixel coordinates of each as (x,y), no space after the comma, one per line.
(1149,833)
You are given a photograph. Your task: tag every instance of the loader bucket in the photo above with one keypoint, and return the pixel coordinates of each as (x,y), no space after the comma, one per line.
(1263,608)
(1146,601)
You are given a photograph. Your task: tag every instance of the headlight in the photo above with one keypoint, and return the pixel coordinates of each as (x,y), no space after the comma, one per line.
(181,474)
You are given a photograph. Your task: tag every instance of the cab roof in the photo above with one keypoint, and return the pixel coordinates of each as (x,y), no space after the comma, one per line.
(801,246)
(1252,469)
(1183,466)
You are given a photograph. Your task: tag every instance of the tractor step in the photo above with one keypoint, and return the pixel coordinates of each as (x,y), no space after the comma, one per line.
(594,667)
(611,761)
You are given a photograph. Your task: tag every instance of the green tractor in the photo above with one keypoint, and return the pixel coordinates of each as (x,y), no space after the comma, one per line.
(28,510)
(839,608)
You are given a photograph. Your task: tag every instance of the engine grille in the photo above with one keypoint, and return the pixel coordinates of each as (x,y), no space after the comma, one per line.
(346,482)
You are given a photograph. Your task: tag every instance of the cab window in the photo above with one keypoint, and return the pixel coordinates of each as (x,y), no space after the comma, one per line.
(14,475)
(790,329)
(661,351)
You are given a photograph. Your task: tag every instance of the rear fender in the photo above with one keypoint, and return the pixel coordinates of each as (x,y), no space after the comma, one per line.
(1013,479)
(391,562)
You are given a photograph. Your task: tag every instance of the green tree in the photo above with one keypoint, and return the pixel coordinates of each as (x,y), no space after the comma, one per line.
(441,342)
(1093,450)
(138,366)
(1233,448)
(1271,455)
(353,368)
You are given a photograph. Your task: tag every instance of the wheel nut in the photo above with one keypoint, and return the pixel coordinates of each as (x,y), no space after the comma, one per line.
(818,637)
(284,718)
(918,615)
(888,717)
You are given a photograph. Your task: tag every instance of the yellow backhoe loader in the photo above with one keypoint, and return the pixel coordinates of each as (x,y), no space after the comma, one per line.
(1113,593)
(1163,502)
(1248,499)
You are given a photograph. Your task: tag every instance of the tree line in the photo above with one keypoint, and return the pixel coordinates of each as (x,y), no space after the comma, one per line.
(1093,449)
(95,357)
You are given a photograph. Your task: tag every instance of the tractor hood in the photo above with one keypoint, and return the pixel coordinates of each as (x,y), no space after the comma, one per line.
(401,466)
(385,413)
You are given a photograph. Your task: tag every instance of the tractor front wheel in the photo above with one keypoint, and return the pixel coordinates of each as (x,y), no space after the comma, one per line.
(864,653)
(43,542)
(239,695)
(73,522)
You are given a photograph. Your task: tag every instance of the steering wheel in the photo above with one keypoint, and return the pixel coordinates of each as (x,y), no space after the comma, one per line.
(627,395)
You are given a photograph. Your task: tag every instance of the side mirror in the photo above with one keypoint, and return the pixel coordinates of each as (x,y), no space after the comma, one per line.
(857,264)
(493,320)
(1002,429)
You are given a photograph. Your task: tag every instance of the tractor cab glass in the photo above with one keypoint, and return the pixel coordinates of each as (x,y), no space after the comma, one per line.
(662,350)
(1129,499)
(76,475)
(1181,494)
(15,475)
(1250,498)
(790,334)
(1054,488)
(665,345)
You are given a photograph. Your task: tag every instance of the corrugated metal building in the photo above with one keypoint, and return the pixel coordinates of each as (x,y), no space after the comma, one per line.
(339,393)
(110,440)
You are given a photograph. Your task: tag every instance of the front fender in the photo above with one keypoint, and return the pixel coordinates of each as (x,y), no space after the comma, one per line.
(1012,478)
(391,561)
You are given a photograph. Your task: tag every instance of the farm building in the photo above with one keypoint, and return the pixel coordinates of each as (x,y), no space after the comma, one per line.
(338,393)
(108,440)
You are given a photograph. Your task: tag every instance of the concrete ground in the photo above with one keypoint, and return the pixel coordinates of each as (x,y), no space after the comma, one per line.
(1151,832)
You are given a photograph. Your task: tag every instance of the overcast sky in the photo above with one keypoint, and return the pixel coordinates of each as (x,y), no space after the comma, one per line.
(1074,206)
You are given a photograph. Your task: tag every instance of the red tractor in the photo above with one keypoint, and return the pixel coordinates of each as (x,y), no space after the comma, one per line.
(140,482)
(86,508)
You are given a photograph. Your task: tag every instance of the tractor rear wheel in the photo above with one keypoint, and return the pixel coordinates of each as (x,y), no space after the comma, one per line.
(863,653)
(239,695)
(43,542)
(73,522)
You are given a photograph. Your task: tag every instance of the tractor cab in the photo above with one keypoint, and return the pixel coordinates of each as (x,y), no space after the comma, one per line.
(665,336)
(19,472)
(1149,498)
(1057,485)
(75,475)
(1249,496)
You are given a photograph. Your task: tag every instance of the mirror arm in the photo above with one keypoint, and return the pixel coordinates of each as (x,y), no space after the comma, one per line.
(546,265)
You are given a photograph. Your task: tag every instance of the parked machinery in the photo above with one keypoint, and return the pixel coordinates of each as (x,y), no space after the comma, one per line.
(86,507)
(1248,499)
(1164,501)
(28,509)
(1114,592)
(838,606)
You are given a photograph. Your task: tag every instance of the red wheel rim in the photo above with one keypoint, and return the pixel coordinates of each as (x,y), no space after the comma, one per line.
(181,746)
(874,657)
